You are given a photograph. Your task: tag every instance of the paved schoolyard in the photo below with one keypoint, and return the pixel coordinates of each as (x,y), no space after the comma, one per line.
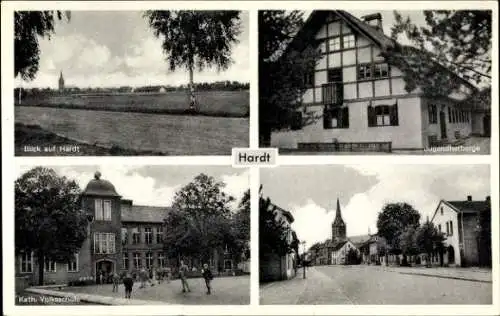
(225,291)
(331,285)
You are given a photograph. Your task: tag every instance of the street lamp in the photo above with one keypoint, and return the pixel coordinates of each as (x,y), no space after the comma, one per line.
(304,258)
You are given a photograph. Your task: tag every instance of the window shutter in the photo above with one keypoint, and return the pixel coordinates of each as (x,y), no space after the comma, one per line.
(394,115)
(296,123)
(371,116)
(327,121)
(345,117)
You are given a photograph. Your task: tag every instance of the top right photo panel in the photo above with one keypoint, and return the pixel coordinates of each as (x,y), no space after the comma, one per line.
(375,82)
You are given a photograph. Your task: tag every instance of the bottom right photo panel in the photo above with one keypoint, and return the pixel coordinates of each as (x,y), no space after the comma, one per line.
(375,234)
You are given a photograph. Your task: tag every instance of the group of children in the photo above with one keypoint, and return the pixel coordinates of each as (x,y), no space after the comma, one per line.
(128,280)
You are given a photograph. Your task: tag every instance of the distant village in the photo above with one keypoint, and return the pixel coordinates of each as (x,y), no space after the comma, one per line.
(63,87)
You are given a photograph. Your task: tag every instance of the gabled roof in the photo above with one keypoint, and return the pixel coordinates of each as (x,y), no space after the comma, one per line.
(317,18)
(339,245)
(464,206)
(359,239)
(144,214)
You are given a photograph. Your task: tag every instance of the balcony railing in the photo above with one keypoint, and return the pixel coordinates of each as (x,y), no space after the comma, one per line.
(333,93)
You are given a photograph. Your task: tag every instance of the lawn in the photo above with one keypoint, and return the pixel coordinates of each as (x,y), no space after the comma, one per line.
(211,103)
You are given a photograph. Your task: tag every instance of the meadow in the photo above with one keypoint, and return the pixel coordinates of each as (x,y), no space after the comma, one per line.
(210,103)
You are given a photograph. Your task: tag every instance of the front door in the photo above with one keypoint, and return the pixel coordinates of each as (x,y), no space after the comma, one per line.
(487,126)
(442,123)
(104,270)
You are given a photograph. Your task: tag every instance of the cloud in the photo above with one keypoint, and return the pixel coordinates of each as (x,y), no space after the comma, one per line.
(312,223)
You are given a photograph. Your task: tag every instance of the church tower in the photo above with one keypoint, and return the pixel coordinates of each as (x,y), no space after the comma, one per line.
(338,226)
(61,82)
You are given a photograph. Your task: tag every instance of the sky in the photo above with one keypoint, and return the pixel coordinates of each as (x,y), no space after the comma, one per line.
(116,48)
(311,192)
(153,185)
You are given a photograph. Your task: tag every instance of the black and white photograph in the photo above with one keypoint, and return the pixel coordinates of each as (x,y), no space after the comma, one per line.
(121,83)
(132,235)
(375,82)
(375,234)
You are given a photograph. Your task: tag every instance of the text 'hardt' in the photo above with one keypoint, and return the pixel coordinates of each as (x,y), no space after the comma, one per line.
(261,157)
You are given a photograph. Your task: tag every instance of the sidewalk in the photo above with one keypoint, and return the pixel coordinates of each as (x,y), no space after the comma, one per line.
(467,274)
(89,298)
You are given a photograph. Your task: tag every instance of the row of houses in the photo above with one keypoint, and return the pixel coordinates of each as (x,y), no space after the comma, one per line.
(121,237)
(362,98)
(465,225)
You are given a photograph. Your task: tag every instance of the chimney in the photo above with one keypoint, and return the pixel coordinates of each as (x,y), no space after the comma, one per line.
(469,198)
(374,20)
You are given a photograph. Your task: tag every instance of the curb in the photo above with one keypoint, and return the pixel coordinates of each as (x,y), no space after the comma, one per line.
(97,299)
(447,277)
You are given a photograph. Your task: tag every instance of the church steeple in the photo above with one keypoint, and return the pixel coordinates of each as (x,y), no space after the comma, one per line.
(61,82)
(338,225)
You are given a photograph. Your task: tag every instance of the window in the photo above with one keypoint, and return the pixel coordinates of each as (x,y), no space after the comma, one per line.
(26,262)
(124,236)
(383,115)
(441,210)
(161,260)
(137,260)
(102,210)
(349,41)
(447,228)
(125,261)
(337,117)
(381,71)
(334,75)
(107,210)
(449,115)
(451,228)
(433,116)
(49,265)
(136,236)
(99,216)
(159,235)
(309,78)
(439,227)
(364,72)
(149,260)
(148,235)
(104,243)
(375,71)
(73,263)
(334,44)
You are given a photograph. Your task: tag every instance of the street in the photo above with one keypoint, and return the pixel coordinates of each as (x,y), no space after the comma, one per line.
(364,284)
(225,291)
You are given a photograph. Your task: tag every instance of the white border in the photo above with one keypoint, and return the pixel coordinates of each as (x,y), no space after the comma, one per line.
(9,162)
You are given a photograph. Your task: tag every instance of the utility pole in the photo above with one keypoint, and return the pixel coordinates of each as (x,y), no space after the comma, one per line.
(304,258)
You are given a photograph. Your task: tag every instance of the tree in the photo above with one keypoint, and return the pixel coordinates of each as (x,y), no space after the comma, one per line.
(241,227)
(272,232)
(200,221)
(283,72)
(196,39)
(29,26)
(408,243)
(48,217)
(429,239)
(457,40)
(393,220)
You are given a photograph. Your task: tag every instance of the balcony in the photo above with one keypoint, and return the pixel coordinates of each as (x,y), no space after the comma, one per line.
(332,93)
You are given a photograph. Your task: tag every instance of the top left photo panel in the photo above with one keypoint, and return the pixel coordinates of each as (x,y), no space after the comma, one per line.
(122,83)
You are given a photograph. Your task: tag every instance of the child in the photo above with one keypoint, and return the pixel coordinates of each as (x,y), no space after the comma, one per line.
(128,282)
(116,280)
(183,269)
(207,275)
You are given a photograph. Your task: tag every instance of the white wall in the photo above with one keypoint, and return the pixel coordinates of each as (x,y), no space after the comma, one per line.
(448,215)
(406,135)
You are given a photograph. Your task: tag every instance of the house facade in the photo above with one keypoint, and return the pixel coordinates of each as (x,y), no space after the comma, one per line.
(361,98)
(272,266)
(463,224)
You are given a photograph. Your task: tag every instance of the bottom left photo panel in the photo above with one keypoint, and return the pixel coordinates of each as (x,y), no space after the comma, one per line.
(120,235)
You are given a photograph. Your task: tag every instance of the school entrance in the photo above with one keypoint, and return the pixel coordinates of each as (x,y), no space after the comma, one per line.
(104,270)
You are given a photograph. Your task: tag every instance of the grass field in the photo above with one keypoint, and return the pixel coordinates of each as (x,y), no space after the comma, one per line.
(210,103)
